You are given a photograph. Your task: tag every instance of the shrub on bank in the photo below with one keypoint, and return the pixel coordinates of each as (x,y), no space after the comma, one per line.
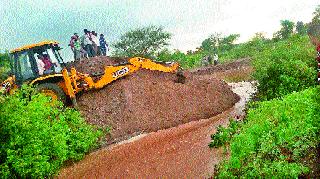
(277,139)
(37,137)
(285,67)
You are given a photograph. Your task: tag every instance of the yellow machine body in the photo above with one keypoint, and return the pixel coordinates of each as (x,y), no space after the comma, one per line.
(72,82)
(76,81)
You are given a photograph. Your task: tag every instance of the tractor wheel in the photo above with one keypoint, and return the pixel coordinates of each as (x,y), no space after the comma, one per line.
(52,90)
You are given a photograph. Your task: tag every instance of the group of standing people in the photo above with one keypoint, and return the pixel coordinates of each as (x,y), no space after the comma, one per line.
(88,45)
(207,60)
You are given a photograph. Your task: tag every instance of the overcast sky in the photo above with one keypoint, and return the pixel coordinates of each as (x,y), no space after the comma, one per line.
(190,21)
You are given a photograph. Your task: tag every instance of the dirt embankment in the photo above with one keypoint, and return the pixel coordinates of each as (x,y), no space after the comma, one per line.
(95,64)
(237,71)
(178,152)
(148,101)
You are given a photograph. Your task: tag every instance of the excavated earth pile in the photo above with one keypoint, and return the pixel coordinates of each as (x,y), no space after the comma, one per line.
(95,64)
(236,65)
(148,101)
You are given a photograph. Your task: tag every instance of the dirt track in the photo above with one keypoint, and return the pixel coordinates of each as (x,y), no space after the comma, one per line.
(176,152)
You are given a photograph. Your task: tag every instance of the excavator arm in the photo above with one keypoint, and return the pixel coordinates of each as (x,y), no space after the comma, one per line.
(76,81)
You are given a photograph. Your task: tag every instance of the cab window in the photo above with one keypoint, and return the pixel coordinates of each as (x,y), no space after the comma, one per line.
(54,60)
(23,67)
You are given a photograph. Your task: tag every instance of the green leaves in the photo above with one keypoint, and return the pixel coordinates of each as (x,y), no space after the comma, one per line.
(185,60)
(275,139)
(37,137)
(144,42)
(286,30)
(4,66)
(286,67)
(217,43)
(223,134)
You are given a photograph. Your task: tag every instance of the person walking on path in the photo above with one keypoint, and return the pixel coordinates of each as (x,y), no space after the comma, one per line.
(314,35)
(103,45)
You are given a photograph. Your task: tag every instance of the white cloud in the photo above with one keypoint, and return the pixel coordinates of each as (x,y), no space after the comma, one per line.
(245,17)
(190,21)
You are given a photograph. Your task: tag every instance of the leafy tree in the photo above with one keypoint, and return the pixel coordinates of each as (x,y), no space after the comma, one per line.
(316,17)
(286,30)
(207,45)
(4,59)
(301,28)
(211,44)
(284,67)
(4,65)
(258,36)
(218,43)
(145,42)
(227,42)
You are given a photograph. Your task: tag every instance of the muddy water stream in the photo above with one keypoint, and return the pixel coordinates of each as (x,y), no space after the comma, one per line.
(177,152)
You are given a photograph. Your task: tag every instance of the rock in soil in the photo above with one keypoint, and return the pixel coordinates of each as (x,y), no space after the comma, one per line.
(147,101)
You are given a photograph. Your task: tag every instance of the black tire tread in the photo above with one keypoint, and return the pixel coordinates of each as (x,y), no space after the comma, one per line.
(54,87)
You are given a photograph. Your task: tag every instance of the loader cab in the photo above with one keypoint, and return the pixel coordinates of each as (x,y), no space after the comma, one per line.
(28,63)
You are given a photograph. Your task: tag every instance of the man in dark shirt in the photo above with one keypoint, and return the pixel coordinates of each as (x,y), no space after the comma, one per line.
(314,35)
(103,45)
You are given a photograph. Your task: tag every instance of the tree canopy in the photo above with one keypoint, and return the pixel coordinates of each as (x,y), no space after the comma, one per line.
(286,30)
(316,17)
(144,42)
(301,28)
(217,42)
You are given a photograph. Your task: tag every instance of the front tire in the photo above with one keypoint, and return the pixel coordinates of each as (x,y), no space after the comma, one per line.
(52,90)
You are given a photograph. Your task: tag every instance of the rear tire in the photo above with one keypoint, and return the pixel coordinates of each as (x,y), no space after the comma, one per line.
(52,90)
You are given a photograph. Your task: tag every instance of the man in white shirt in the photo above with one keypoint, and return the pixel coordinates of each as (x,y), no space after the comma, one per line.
(96,43)
(87,42)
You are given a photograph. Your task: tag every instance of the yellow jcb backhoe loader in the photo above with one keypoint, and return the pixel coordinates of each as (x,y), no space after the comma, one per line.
(61,84)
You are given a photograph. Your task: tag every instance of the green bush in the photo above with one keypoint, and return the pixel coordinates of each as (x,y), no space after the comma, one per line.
(185,60)
(276,138)
(36,137)
(284,67)
(4,66)
(223,134)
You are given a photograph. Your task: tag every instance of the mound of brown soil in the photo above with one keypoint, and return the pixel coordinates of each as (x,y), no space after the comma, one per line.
(236,65)
(150,100)
(95,64)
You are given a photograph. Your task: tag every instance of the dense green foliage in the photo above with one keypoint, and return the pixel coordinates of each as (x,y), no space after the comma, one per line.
(185,60)
(246,50)
(301,28)
(217,43)
(279,138)
(144,42)
(316,16)
(223,134)
(286,30)
(4,66)
(36,137)
(284,67)
(275,138)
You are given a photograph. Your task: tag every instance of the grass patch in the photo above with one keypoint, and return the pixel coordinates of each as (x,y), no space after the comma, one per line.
(38,137)
(275,139)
